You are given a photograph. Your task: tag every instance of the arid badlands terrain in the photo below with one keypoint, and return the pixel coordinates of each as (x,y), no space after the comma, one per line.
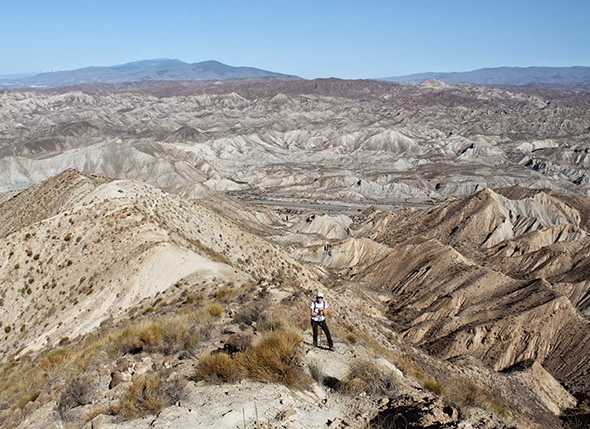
(160,244)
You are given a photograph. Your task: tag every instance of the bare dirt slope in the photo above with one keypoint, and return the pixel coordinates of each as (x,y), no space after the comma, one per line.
(498,275)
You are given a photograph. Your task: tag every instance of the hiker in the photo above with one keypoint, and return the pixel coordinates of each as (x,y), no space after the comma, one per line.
(319,308)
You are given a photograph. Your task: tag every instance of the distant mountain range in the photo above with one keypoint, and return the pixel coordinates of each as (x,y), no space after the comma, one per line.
(156,69)
(567,76)
(165,69)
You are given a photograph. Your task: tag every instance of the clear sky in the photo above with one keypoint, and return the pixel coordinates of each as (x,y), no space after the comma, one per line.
(349,39)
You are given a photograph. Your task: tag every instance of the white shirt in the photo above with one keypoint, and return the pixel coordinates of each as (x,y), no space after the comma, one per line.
(316,308)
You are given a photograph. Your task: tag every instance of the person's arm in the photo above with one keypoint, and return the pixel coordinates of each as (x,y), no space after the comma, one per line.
(312,310)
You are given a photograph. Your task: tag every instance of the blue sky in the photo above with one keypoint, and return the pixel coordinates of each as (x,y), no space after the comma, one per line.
(349,39)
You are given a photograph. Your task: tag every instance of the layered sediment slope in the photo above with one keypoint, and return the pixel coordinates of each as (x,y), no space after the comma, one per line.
(496,276)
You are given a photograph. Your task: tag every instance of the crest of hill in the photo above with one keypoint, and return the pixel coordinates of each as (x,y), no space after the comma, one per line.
(104,245)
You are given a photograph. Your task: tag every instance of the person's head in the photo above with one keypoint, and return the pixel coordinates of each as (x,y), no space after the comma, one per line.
(319,296)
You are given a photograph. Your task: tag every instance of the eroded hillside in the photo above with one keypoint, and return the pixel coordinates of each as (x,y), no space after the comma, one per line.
(128,307)
(498,276)
(326,140)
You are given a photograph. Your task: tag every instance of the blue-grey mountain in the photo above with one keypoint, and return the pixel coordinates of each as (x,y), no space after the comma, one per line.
(567,76)
(146,70)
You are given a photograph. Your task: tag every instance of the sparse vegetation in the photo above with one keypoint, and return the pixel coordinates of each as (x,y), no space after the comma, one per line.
(248,314)
(350,338)
(87,244)
(465,393)
(145,396)
(22,381)
(225,294)
(165,335)
(275,359)
(316,372)
(433,385)
(460,392)
(367,377)
(218,368)
(215,310)
(76,393)
(26,397)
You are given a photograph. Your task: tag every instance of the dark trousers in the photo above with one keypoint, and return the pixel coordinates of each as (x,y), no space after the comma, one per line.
(314,327)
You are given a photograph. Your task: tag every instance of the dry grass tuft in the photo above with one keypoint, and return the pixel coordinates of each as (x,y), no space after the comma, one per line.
(433,386)
(55,358)
(367,377)
(25,398)
(145,396)
(316,372)
(464,393)
(275,359)
(166,335)
(248,313)
(215,310)
(76,393)
(218,368)
(270,321)
(226,294)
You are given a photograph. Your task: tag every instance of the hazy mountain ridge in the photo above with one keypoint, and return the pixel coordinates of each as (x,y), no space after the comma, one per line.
(168,69)
(575,75)
(156,69)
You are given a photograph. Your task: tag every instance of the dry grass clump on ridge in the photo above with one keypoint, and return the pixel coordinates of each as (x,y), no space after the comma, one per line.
(166,335)
(218,368)
(433,386)
(464,393)
(275,359)
(226,294)
(367,377)
(215,310)
(145,396)
(76,393)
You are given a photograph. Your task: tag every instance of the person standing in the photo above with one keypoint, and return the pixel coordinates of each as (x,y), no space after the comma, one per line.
(319,309)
